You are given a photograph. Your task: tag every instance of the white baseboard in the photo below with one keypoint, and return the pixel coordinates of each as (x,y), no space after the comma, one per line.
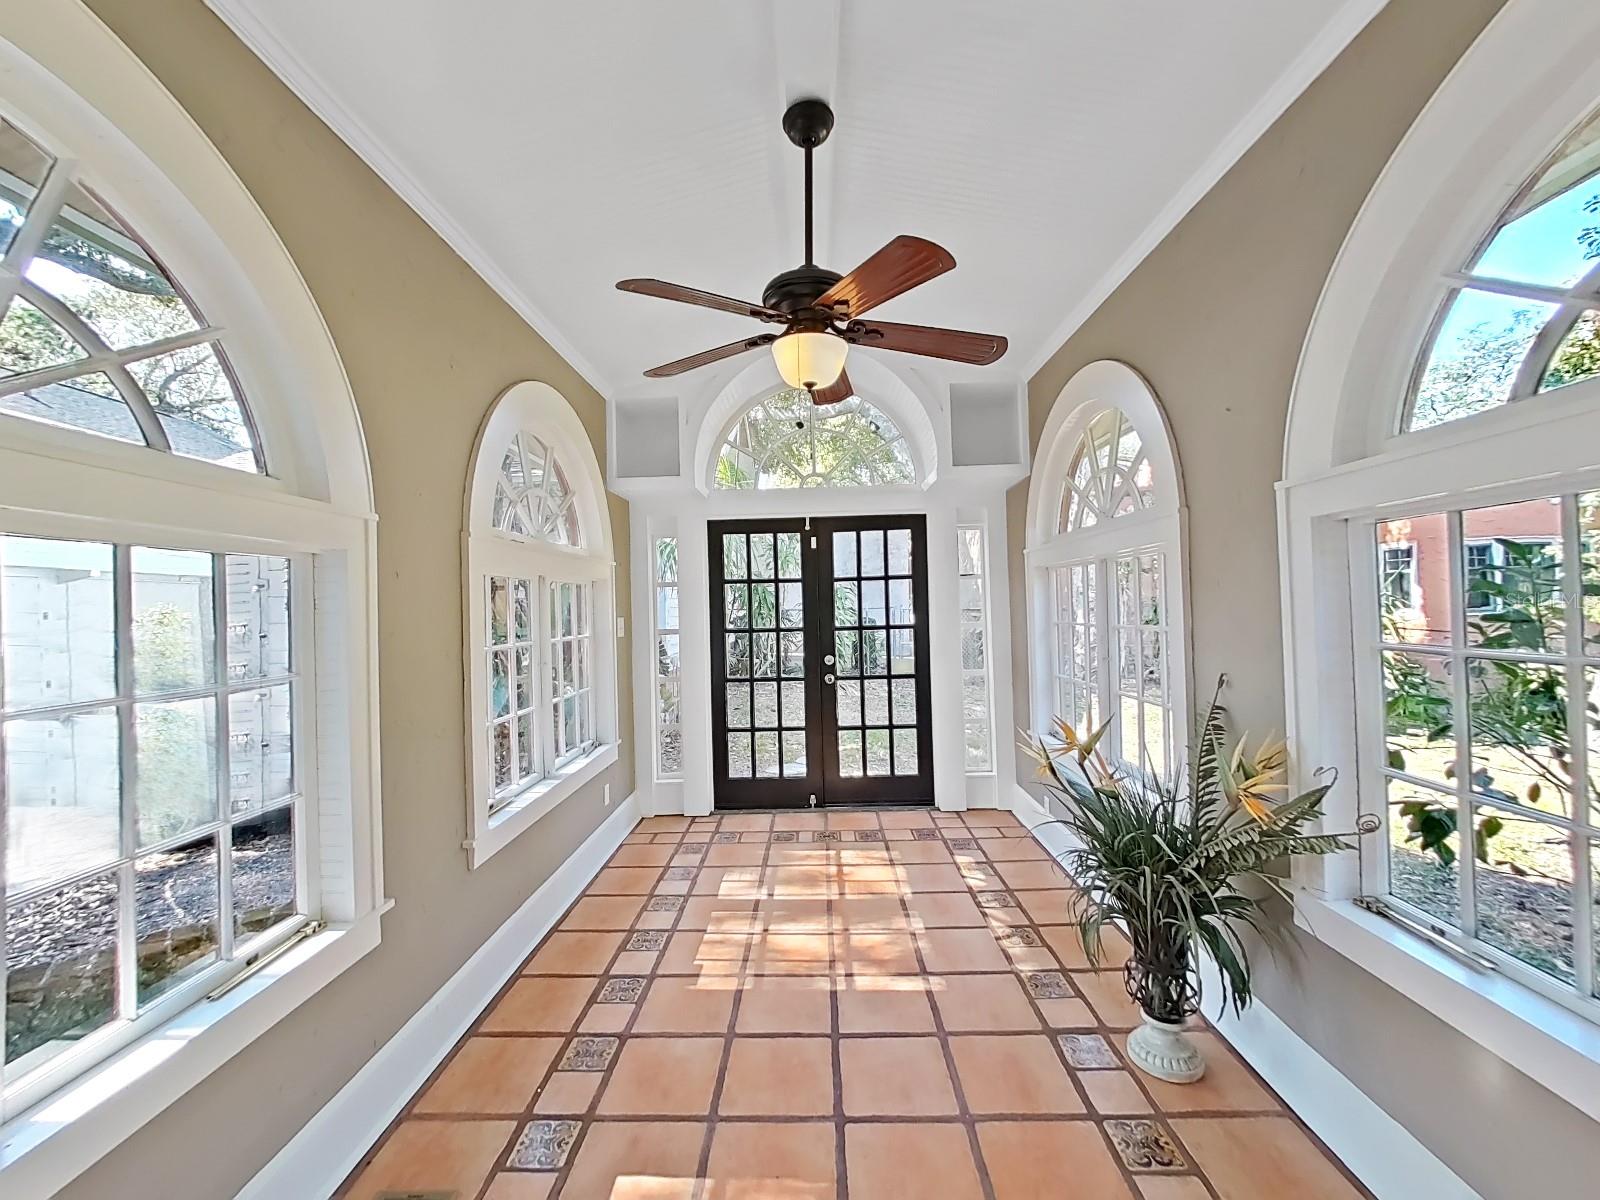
(317,1159)
(1379,1150)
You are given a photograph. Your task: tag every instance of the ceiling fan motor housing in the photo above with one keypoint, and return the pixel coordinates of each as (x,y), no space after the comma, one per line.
(794,291)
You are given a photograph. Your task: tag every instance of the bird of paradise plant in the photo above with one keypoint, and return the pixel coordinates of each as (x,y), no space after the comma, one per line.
(1171,861)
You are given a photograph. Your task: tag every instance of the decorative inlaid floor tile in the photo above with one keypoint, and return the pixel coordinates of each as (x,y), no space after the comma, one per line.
(996,900)
(869,835)
(678,875)
(691,847)
(1144,1146)
(588,1054)
(925,835)
(1087,1051)
(1018,937)
(1047,985)
(664,904)
(963,843)
(647,939)
(786,835)
(622,989)
(723,839)
(825,835)
(544,1145)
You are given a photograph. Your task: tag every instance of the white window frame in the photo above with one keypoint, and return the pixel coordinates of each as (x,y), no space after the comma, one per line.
(1153,530)
(658,678)
(68,82)
(496,818)
(981,626)
(1507,103)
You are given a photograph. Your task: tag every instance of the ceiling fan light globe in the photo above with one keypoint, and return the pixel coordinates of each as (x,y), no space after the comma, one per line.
(810,360)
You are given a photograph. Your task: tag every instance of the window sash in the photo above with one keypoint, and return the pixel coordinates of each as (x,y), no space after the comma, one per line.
(664,677)
(1467,558)
(53,1064)
(978,728)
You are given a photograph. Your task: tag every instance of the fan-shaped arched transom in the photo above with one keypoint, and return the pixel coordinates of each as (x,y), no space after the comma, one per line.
(532,498)
(1108,475)
(785,441)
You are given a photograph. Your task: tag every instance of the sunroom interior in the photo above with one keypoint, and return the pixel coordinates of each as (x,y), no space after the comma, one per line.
(454,746)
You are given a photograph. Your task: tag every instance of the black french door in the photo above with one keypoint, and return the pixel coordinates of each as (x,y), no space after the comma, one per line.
(819,662)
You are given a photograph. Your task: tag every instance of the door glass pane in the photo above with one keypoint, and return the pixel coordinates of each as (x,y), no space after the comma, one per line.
(58,989)
(791,606)
(850,753)
(175,913)
(875,701)
(64,795)
(764,655)
(762,563)
(738,705)
(847,694)
(874,652)
(847,643)
(736,612)
(765,707)
(738,656)
(738,756)
(872,556)
(874,608)
(902,611)
(763,606)
(899,552)
(905,751)
(789,556)
(878,752)
(766,750)
(794,705)
(734,565)
(794,754)
(846,604)
(905,702)
(902,651)
(844,554)
(58,639)
(793,647)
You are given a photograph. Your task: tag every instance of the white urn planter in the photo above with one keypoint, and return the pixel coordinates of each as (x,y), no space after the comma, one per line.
(1163,1050)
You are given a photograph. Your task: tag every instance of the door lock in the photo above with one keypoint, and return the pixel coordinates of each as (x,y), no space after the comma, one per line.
(828,678)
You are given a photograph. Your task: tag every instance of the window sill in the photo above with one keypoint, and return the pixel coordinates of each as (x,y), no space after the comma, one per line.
(520,814)
(1547,1042)
(45,1148)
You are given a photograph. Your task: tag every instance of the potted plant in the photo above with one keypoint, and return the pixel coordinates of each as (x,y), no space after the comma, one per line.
(1176,865)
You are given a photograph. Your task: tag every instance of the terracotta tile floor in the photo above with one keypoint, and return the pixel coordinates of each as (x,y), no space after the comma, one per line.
(850,1006)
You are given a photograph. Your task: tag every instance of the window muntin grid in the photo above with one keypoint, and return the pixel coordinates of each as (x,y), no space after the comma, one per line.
(786,441)
(975,699)
(764,666)
(150,694)
(1522,319)
(570,669)
(532,499)
(513,704)
(1484,750)
(95,334)
(874,621)
(1111,644)
(1108,476)
(668,688)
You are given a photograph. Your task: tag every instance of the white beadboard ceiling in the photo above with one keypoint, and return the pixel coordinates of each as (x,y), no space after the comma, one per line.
(563,146)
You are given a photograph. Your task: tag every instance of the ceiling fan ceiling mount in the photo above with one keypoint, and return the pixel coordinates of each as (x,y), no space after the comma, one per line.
(809,300)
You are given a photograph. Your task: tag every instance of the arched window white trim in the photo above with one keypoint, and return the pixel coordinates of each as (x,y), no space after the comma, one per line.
(1106,597)
(71,86)
(1356,485)
(541,679)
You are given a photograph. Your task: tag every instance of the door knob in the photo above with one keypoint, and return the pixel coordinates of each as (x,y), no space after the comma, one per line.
(827,660)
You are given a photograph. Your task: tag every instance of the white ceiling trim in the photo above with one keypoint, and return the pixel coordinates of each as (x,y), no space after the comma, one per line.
(1351,19)
(288,67)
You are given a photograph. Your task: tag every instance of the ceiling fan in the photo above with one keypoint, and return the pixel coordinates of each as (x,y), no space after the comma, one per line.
(821,310)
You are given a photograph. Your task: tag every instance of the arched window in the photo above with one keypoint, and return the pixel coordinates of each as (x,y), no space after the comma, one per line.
(786,441)
(1522,317)
(186,730)
(1441,542)
(542,692)
(1104,553)
(96,334)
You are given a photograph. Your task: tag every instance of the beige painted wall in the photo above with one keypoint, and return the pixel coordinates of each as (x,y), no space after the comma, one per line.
(428,346)
(1215,318)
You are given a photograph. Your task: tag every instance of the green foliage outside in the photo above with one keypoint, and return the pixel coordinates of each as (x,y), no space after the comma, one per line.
(176,769)
(785,441)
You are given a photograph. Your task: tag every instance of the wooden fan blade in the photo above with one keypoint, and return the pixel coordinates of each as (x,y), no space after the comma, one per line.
(930,341)
(706,357)
(903,264)
(688,295)
(839,389)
